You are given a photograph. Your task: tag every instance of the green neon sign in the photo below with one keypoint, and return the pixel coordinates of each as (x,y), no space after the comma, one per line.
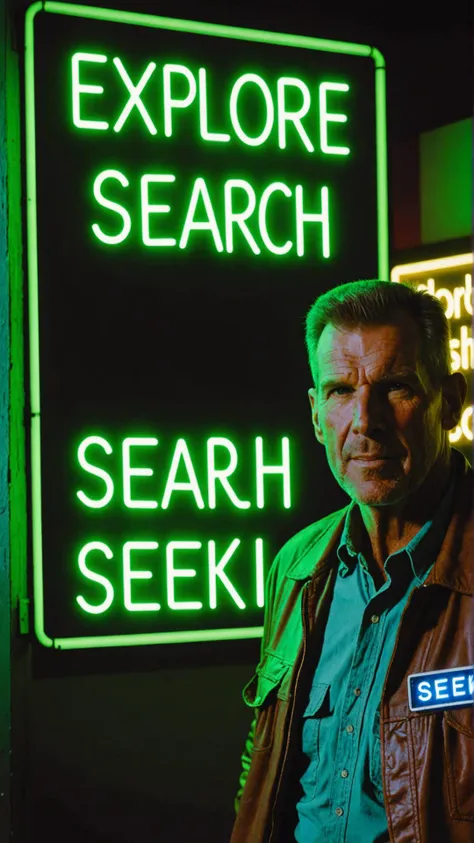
(186,201)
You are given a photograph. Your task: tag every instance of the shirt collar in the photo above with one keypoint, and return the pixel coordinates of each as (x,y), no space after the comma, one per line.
(421,550)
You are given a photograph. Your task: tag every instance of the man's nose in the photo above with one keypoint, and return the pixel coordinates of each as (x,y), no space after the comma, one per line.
(369,413)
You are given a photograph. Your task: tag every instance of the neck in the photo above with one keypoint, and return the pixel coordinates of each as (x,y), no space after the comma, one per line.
(386,529)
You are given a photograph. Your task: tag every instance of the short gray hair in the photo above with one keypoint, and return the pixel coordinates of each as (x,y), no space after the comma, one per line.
(373,302)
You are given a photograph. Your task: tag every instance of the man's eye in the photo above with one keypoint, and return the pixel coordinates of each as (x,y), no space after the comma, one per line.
(397,385)
(337,389)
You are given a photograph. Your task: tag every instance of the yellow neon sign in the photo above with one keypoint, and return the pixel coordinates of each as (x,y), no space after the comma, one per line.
(449,279)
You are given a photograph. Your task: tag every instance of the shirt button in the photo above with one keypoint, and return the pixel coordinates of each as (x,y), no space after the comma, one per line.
(344,774)
(350,729)
(374,619)
(339,812)
(357,692)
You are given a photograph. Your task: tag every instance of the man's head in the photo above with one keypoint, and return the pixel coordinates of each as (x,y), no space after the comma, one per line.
(380,359)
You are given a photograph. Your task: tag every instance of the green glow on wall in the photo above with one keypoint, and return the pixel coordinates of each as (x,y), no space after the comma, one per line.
(149,208)
(134,100)
(129,575)
(129,472)
(173,573)
(79,88)
(302,218)
(330,117)
(295,117)
(98,472)
(446,182)
(92,575)
(111,239)
(200,191)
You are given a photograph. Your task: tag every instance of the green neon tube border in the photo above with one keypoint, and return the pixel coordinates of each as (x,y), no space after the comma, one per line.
(194,27)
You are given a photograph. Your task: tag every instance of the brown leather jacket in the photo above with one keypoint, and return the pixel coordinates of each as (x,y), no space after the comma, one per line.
(427,756)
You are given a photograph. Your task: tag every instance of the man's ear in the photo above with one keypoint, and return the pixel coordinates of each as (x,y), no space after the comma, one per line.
(313,400)
(454,394)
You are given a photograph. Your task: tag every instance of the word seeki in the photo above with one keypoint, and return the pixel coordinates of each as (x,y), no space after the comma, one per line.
(285,105)
(213,583)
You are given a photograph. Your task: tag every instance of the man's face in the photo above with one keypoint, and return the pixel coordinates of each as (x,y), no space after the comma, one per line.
(375,411)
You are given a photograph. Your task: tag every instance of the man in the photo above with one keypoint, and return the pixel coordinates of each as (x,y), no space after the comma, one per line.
(358,602)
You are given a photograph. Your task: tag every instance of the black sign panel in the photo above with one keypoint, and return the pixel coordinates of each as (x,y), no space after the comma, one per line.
(191,190)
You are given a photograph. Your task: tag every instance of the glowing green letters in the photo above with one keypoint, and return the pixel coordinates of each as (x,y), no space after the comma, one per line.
(135,91)
(122,234)
(210,579)
(247,224)
(148,208)
(215,561)
(96,449)
(268,98)
(181,90)
(282,107)
(327,117)
(79,88)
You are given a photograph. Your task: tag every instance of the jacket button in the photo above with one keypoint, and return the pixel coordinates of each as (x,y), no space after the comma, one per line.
(339,812)
(374,619)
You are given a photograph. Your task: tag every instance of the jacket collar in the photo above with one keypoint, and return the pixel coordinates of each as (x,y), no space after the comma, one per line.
(453,567)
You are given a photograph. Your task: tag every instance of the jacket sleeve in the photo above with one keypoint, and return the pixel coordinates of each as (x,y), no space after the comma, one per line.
(246,757)
(245,760)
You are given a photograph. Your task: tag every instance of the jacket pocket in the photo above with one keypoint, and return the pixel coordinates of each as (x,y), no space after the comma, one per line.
(267,688)
(375,759)
(458,728)
(318,707)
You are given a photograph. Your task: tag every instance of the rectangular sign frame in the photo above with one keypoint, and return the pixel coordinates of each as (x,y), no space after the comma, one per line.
(185,26)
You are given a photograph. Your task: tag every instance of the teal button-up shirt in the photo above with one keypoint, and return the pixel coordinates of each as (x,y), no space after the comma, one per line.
(342,798)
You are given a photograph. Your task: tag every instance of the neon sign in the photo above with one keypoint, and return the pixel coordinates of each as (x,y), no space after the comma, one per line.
(449,279)
(191,188)
(451,688)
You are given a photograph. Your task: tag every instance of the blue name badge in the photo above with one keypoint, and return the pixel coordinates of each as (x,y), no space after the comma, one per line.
(453,688)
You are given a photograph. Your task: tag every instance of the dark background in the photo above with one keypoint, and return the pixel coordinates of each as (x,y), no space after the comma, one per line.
(143,744)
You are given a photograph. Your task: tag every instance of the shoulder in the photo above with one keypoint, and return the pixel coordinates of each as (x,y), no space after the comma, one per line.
(306,539)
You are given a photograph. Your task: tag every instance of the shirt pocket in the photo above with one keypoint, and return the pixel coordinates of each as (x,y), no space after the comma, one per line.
(375,759)
(265,692)
(458,731)
(318,708)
